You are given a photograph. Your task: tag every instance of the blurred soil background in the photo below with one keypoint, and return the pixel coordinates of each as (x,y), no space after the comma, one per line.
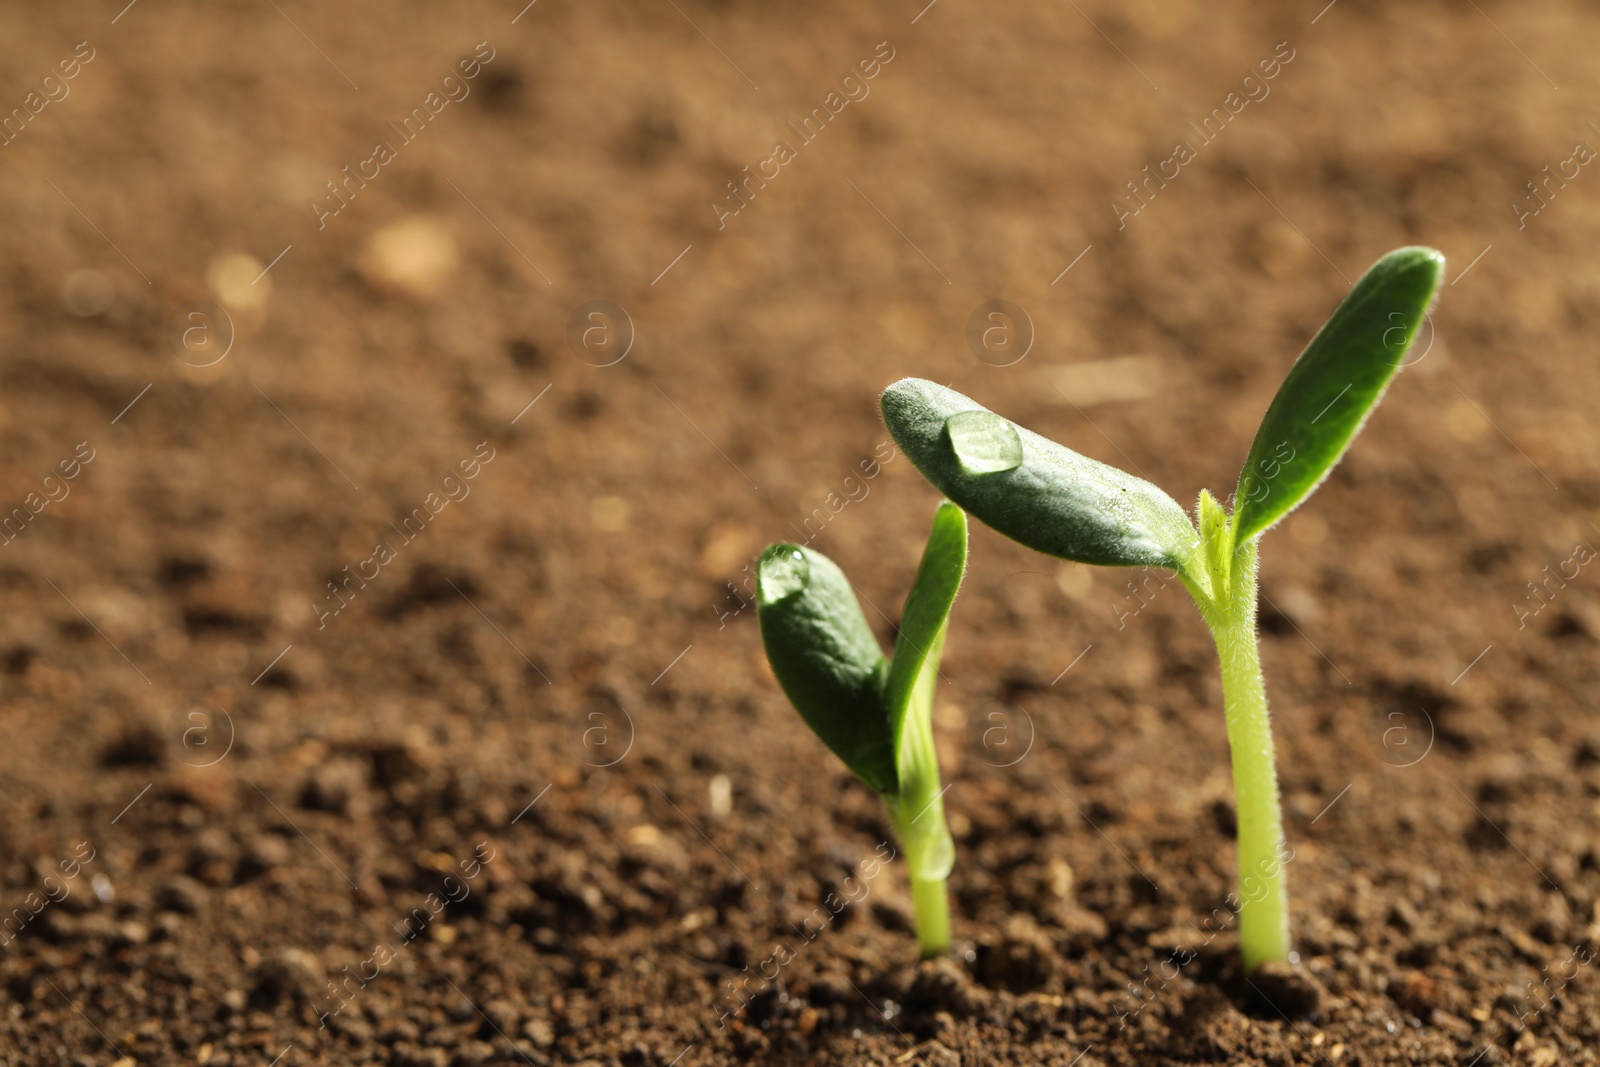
(378,684)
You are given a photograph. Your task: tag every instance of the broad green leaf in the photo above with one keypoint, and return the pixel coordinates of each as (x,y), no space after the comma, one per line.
(826,659)
(916,649)
(1333,386)
(1032,489)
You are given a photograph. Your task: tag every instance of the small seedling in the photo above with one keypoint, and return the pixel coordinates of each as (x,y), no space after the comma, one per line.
(875,713)
(1058,502)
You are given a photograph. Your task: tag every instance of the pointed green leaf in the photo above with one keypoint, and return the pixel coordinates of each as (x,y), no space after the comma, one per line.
(1333,386)
(1032,489)
(826,659)
(916,649)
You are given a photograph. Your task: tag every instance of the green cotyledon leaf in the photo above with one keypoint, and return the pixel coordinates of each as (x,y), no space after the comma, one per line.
(1031,489)
(933,594)
(826,659)
(1333,386)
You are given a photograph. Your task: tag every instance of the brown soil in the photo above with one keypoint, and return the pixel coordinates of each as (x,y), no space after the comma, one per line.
(547,706)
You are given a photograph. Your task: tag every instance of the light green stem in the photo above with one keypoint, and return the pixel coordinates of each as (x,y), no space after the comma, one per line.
(918,816)
(917,812)
(933,916)
(1263,901)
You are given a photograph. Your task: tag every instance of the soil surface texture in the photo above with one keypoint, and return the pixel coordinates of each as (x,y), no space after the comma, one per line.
(396,397)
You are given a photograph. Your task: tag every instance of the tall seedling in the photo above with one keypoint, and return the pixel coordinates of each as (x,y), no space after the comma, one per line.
(1063,504)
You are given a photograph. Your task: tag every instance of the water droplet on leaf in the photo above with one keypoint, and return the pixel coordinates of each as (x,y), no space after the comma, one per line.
(784,571)
(984,443)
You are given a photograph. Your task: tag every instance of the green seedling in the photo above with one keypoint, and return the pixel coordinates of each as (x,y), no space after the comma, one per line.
(1058,502)
(875,713)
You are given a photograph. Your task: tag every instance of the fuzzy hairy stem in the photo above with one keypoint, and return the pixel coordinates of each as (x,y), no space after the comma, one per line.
(1263,898)
(1221,576)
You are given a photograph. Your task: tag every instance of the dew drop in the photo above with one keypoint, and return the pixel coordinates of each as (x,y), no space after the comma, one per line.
(784,571)
(983,442)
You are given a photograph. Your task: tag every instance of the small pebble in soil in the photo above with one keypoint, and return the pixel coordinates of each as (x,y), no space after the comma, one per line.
(289,972)
(721,789)
(238,280)
(412,258)
(182,894)
(539,1032)
(103,890)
